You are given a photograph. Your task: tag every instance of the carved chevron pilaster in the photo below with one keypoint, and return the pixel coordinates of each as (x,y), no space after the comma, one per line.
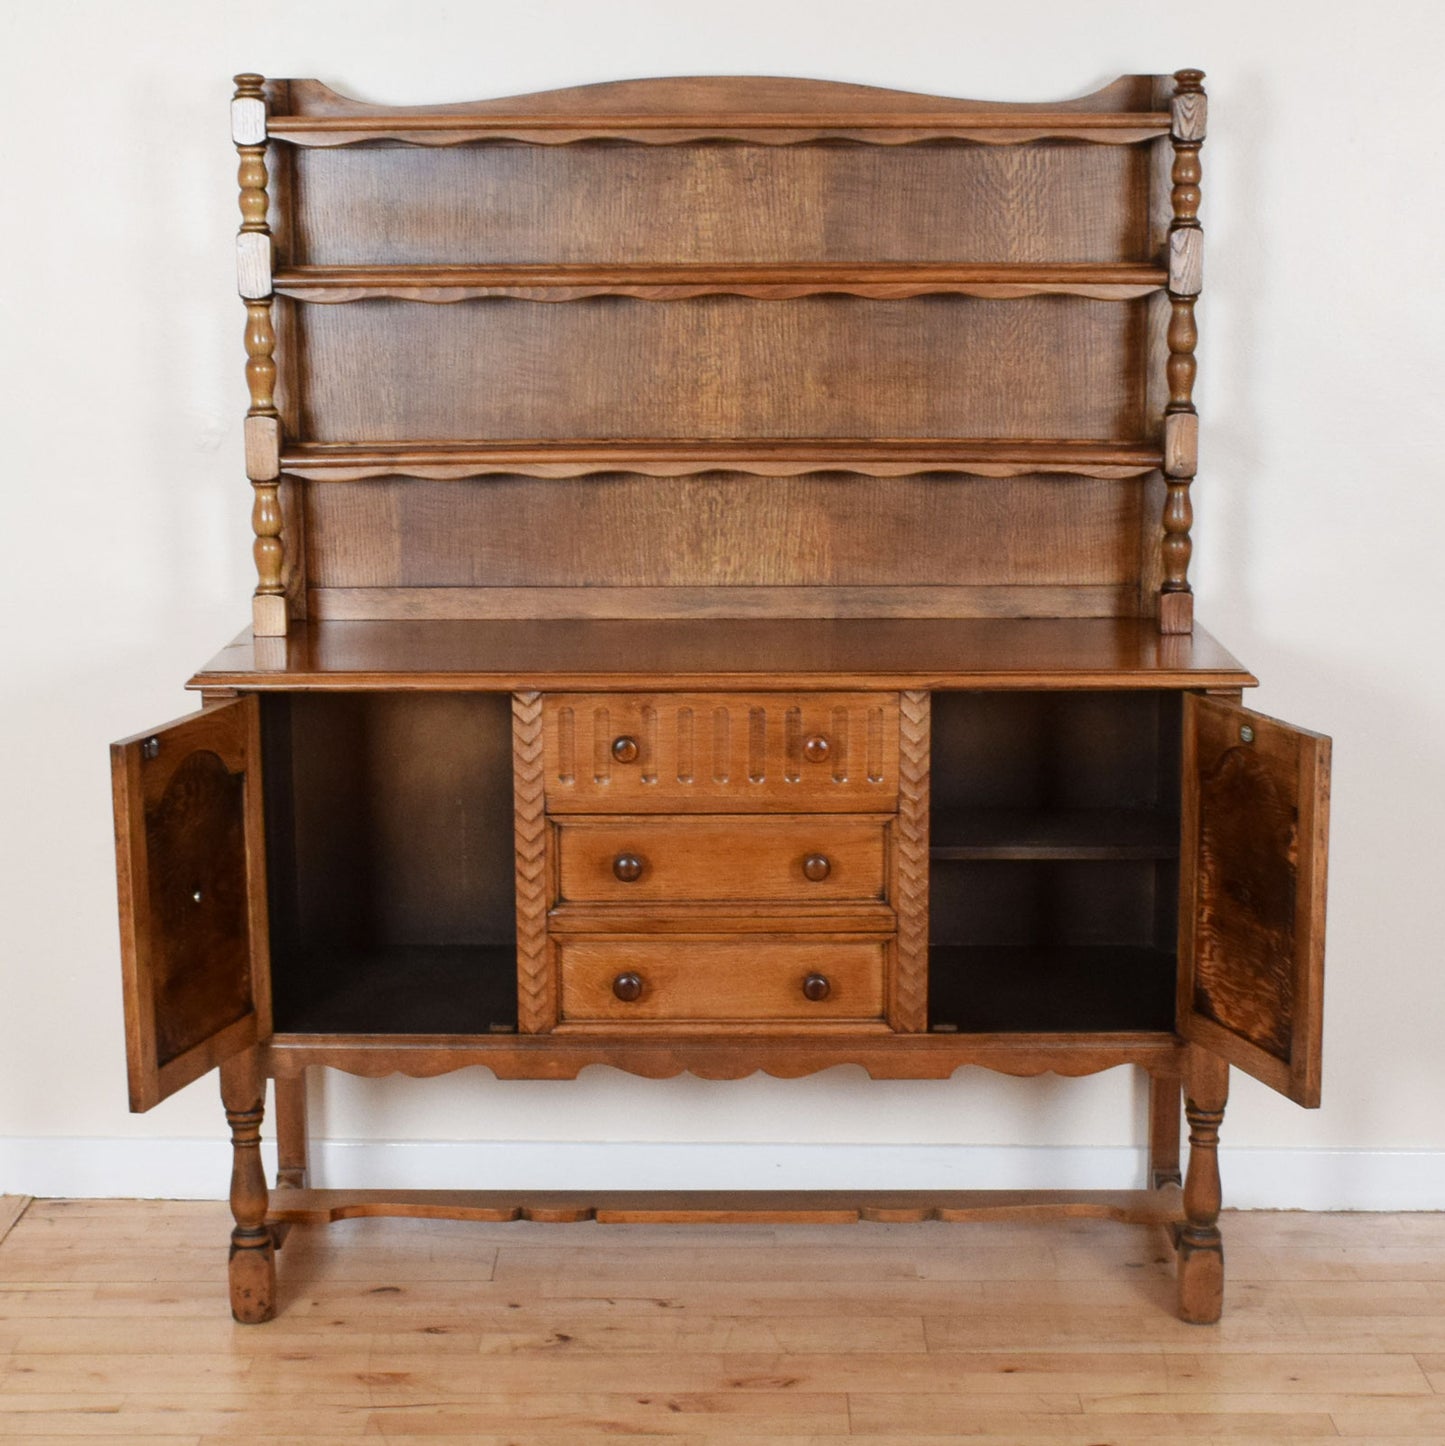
(909,1005)
(536,987)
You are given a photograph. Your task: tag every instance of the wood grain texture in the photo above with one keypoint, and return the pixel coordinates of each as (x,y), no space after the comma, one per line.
(724,367)
(726,983)
(191,872)
(1186,262)
(263,448)
(1181,444)
(452,604)
(825,531)
(536,979)
(908,985)
(721,753)
(12,1207)
(891,1334)
(720,857)
(1046,205)
(844,322)
(1255,838)
(995,654)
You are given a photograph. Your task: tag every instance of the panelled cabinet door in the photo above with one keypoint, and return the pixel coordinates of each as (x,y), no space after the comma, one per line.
(192,880)
(1252,893)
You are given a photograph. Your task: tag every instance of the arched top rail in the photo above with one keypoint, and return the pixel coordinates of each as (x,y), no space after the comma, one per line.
(763,110)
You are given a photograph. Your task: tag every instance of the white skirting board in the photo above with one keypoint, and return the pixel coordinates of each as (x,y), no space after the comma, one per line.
(189,1169)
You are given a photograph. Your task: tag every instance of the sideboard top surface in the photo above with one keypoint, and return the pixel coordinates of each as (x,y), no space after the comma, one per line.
(727,652)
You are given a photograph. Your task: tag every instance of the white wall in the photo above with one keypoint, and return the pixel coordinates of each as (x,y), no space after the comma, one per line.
(1320,519)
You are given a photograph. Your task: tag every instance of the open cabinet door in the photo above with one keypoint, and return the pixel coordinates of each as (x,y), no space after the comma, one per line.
(1252,893)
(190,856)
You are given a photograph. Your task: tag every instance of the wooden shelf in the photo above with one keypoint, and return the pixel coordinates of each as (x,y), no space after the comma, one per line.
(781,128)
(460,989)
(770,456)
(1046,834)
(673,282)
(1028,989)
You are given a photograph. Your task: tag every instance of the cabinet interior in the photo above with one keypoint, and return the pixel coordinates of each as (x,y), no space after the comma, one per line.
(1054,861)
(1054,872)
(390,856)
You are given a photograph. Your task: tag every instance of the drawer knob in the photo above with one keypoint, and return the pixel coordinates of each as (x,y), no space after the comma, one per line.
(627,868)
(816,868)
(816,987)
(627,987)
(625,749)
(815,749)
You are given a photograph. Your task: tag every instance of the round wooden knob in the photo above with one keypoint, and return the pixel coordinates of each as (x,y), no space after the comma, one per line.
(815,749)
(627,868)
(625,749)
(816,987)
(816,868)
(628,987)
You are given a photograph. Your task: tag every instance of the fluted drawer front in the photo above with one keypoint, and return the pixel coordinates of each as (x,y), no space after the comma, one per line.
(718,981)
(720,752)
(811,859)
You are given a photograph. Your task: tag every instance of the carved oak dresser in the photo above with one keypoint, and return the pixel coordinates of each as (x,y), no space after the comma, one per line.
(723,606)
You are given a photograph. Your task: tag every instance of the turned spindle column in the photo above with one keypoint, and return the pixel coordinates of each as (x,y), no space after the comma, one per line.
(1188,111)
(263,424)
(253,1252)
(1201,1247)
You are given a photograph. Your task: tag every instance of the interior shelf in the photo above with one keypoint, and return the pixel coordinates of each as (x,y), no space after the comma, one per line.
(413,989)
(672,282)
(1039,833)
(1024,989)
(1013,126)
(768,456)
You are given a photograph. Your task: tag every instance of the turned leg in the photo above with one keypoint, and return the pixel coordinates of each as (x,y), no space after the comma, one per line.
(1201,1248)
(253,1255)
(293,1166)
(1163,1130)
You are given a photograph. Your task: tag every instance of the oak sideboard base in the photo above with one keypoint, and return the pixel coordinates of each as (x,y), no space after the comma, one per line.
(745,630)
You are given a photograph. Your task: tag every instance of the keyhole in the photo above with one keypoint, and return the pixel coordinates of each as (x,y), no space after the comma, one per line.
(196,895)
(1246,733)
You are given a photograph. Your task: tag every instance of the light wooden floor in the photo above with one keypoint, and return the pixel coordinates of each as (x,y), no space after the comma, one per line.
(114,1326)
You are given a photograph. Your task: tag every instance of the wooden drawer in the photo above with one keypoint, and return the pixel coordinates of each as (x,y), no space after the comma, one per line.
(817,858)
(720,752)
(721,980)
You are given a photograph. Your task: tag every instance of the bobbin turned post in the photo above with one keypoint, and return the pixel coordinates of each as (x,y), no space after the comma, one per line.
(1188,112)
(253,1251)
(263,423)
(1201,1247)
